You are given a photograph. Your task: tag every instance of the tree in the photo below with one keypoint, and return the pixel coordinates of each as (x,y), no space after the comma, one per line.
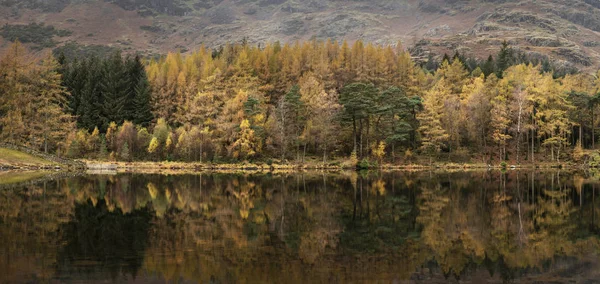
(476,108)
(114,90)
(455,77)
(55,123)
(153,146)
(15,68)
(500,122)
(505,59)
(102,152)
(488,67)
(245,145)
(125,155)
(433,135)
(357,100)
(294,110)
(142,105)
(379,151)
(552,116)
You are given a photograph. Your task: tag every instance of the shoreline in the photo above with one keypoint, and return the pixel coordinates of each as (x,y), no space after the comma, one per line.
(195,166)
(141,166)
(42,173)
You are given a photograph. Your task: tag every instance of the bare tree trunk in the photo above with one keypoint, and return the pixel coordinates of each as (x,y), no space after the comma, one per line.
(304,154)
(593,131)
(533,141)
(581,133)
(201,145)
(324,154)
(361,138)
(521,101)
(354,134)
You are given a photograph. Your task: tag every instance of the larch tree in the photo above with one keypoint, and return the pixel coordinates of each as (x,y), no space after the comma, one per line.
(50,100)
(552,116)
(433,135)
(454,75)
(15,68)
(500,122)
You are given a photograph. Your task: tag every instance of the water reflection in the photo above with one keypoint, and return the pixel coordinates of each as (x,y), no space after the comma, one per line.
(335,227)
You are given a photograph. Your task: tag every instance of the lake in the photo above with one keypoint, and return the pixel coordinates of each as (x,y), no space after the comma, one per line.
(310,227)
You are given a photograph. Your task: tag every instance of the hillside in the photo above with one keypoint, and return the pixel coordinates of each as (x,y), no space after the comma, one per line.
(565,30)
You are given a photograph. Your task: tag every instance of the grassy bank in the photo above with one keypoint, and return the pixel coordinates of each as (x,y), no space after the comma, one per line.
(10,158)
(14,157)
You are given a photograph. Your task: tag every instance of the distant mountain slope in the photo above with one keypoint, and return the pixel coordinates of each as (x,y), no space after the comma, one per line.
(565,30)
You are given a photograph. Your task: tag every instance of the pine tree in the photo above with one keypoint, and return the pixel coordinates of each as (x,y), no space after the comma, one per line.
(90,105)
(357,99)
(114,90)
(136,73)
(488,67)
(505,59)
(142,113)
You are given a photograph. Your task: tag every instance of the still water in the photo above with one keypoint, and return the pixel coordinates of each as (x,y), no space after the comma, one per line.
(394,227)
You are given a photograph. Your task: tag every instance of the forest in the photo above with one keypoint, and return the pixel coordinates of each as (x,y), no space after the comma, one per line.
(321,100)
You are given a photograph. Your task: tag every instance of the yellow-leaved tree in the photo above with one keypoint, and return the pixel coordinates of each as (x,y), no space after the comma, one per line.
(245,146)
(433,134)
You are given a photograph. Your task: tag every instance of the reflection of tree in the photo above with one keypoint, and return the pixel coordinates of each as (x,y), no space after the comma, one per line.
(446,230)
(114,240)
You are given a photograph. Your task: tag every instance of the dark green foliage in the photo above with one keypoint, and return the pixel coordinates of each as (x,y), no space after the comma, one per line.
(142,114)
(38,34)
(357,100)
(505,59)
(106,90)
(488,66)
(294,113)
(115,90)
(397,116)
(446,58)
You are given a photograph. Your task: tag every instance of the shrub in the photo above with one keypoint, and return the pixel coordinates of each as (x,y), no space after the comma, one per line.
(363,164)
(39,34)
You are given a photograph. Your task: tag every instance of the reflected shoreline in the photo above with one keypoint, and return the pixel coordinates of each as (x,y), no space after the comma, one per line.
(304,226)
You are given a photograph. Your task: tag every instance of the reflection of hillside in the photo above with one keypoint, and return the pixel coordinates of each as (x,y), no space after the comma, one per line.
(308,226)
